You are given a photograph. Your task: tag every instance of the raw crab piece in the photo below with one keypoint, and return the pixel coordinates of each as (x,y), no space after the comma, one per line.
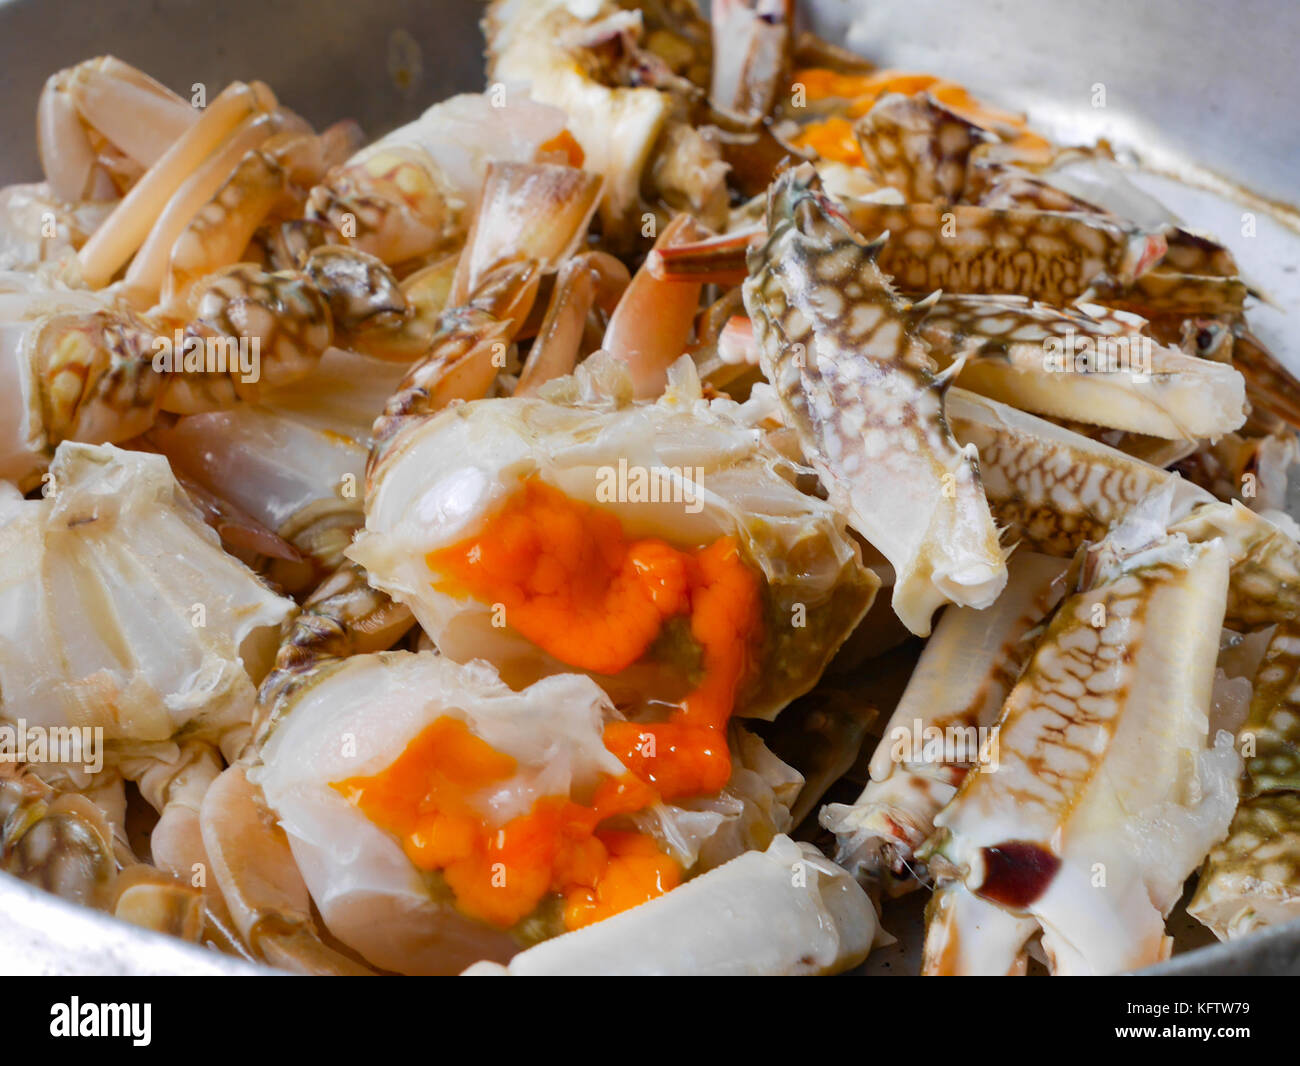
(86,367)
(940,729)
(1252,879)
(416,189)
(36,228)
(916,145)
(1246,467)
(714,479)
(1066,363)
(751,52)
(296,461)
(492,293)
(1106,794)
(857,385)
(1164,292)
(122,612)
(586,59)
(63,842)
(393,880)
(1042,255)
(781,912)
(126,229)
(102,122)
(1052,489)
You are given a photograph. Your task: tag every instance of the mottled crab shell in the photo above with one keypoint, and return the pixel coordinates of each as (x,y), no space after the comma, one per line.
(801,914)
(355,717)
(1252,879)
(1105,795)
(1099,367)
(119,610)
(443,478)
(857,384)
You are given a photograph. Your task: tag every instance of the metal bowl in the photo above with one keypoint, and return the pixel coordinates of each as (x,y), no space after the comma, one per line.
(1200,92)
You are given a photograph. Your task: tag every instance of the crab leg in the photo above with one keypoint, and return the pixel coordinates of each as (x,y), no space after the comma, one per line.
(1043,255)
(955,695)
(1068,364)
(1106,796)
(857,386)
(1039,254)
(148,267)
(1252,879)
(651,326)
(1052,489)
(135,114)
(126,228)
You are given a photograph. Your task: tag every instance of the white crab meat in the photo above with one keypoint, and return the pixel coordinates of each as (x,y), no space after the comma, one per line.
(785,911)
(120,611)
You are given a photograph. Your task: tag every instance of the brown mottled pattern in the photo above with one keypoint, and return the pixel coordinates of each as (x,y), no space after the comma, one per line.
(283,313)
(1061,715)
(1274,719)
(919,147)
(838,346)
(1053,498)
(53,842)
(1191,253)
(95,375)
(1256,869)
(344,616)
(1043,255)
(1265,586)
(987,325)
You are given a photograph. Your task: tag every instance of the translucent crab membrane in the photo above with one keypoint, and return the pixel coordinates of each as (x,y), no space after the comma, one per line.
(571,581)
(833,138)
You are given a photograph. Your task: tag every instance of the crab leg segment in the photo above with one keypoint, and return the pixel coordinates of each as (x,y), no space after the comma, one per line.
(1068,364)
(939,728)
(858,387)
(1039,254)
(1106,796)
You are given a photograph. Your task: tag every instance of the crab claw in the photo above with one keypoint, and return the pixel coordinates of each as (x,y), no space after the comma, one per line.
(857,385)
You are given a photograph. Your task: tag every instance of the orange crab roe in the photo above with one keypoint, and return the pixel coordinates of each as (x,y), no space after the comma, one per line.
(572,583)
(500,874)
(575,585)
(832,138)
